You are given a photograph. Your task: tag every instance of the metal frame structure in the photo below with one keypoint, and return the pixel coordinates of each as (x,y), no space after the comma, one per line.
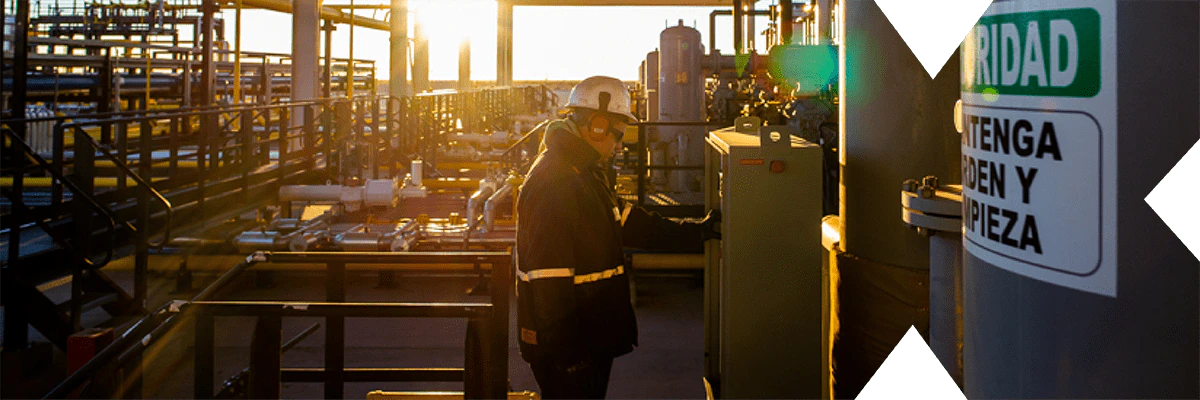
(236,155)
(642,169)
(485,374)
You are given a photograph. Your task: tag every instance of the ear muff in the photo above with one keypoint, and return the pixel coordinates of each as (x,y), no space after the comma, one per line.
(597,127)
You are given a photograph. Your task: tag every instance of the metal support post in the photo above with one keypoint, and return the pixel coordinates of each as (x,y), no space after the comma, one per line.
(16,322)
(265,360)
(420,73)
(247,138)
(204,357)
(305,41)
(83,175)
(497,332)
(824,21)
(20,66)
(398,57)
(207,63)
(264,76)
(335,332)
(105,102)
(739,19)
(142,258)
(464,65)
(785,22)
(327,88)
(504,26)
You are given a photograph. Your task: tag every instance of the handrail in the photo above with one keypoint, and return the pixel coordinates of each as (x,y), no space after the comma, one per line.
(79,132)
(509,152)
(136,338)
(525,138)
(112,222)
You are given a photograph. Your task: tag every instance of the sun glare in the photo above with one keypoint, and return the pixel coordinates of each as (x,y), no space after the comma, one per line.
(452,22)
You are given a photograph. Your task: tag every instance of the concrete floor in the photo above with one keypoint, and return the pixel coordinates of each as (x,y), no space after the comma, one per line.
(668,363)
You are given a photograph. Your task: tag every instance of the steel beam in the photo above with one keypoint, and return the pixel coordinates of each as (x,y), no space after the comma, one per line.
(331,13)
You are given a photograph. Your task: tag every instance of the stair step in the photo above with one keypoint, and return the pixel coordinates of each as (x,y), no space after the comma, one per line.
(90,302)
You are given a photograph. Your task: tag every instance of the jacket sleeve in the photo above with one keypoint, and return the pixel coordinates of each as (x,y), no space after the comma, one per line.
(547,258)
(647,230)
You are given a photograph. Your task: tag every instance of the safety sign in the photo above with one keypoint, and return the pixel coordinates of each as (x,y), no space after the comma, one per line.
(1039,136)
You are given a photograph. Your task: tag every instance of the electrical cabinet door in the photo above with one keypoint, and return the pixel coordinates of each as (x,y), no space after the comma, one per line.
(763,280)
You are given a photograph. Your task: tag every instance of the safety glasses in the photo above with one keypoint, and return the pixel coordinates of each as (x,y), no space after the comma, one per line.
(617,134)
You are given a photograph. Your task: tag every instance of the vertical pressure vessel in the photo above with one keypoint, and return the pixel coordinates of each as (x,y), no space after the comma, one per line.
(681,99)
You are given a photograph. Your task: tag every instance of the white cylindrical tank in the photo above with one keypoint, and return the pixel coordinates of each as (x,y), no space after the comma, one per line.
(681,99)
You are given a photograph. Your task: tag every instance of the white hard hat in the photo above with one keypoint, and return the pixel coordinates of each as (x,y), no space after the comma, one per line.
(602,93)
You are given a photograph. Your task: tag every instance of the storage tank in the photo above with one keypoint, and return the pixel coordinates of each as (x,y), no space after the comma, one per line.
(681,99)
(1074,287)
(652,85)
(657,150)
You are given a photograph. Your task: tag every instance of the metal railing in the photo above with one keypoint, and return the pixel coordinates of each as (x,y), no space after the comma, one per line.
(642,168)
(197,163)
(431,119)
(485,372)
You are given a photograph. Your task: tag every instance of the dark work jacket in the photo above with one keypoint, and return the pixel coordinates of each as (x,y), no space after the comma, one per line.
(573,287)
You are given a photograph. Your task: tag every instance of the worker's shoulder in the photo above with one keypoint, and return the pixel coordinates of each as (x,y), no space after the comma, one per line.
(561,124)
(550,177)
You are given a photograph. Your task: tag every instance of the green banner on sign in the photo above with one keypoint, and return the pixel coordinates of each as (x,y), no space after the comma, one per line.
(1044,53)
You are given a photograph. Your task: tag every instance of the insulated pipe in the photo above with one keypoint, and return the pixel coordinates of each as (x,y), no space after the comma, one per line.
(489,208)
(361,241)
(477,202)
(310,193)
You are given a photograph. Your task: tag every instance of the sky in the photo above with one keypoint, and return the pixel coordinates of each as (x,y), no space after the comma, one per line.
(551,43)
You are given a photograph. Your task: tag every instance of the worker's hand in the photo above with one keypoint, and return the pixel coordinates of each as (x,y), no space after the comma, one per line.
(711,225)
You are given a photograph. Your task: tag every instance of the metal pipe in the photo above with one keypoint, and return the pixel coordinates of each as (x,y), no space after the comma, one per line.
(489,208)
(712,25)
(785,22)
(237,55)
(477,201)
(310,193)
(738,18)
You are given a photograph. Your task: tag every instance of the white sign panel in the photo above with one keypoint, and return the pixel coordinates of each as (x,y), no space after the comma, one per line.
(1039,119)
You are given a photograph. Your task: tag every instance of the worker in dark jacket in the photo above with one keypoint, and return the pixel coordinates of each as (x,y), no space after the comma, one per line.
(573,295)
